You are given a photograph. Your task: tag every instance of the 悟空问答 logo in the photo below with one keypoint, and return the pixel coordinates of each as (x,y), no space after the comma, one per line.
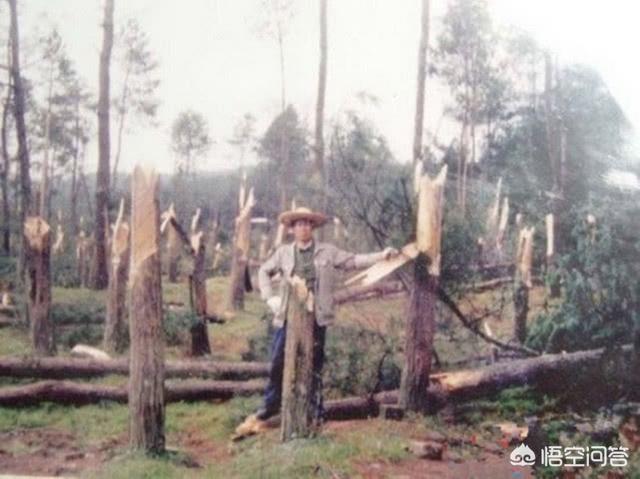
(522,456)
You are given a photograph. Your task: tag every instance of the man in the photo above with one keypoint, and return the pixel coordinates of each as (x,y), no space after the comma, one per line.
(315,263)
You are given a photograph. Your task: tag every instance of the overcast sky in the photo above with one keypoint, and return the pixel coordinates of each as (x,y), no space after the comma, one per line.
(212,59)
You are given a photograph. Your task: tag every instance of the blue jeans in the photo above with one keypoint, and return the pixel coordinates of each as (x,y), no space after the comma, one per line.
(273,392)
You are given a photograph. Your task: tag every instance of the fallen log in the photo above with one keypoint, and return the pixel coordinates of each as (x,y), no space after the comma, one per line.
(68,368)
(555,373)
(68,392)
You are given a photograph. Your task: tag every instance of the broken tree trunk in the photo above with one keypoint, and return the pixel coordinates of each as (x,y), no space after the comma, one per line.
(523,282)
(198,295)
(552,276)
(69,392)
(38,242)
(173,243)
(563,373)
(299,387)
(58,245)
(420,328)
(67,368)
(146,378)
(240,251)
(82,256)
(115,330)
(197,284)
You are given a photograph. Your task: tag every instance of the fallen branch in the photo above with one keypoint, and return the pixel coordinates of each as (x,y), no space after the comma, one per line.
(474,327)
(68,392)
(67,368)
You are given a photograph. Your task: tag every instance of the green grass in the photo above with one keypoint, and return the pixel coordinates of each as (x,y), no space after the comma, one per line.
(14,341)
(90,423)
(337,451)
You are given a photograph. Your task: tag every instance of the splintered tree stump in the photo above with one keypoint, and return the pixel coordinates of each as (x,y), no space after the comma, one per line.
(173,244)
(420,332)
(198,290)
(552,269)
(521,310)
(38,242)
(299,389)
(523,283)
(420,328)
(240,250)
(236,284)
(146,376)
(115,331)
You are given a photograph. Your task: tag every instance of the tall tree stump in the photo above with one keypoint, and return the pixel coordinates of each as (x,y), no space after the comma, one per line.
(523,282)
(240,250)
(299,394)
(198,295)
(115,324)
(146,377)
(37,235)
(420,327)
(552,274)
(173,243)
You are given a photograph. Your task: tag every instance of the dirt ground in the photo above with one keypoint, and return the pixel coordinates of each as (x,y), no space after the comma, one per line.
(50,451)
(54,452)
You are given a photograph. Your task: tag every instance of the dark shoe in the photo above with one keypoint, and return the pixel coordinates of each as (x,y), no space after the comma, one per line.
(263,414)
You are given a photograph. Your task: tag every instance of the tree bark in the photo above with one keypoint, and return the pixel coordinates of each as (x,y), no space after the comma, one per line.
(115,330)
(419,336)
(67,368)
(23,150)
(6,165)
(146,379)
(299,389)
(422,74)
(100,280)
(38,240)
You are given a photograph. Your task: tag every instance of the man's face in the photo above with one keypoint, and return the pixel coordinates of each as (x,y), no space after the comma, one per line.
(302,231)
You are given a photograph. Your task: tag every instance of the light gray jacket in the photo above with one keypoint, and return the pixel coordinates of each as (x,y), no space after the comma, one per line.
(326,259)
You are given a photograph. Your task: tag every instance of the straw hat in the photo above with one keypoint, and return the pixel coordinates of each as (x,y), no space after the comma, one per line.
(301,213)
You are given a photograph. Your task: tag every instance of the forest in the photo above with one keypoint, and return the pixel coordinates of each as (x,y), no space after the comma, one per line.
(500,338)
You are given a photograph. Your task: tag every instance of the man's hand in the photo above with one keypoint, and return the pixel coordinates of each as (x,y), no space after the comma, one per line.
(274,304)
(389,252)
